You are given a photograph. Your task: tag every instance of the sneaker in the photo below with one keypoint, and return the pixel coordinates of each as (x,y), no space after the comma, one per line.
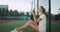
(19,30)
(14,30)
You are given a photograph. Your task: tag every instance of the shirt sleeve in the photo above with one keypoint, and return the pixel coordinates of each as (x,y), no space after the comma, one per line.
(42,17)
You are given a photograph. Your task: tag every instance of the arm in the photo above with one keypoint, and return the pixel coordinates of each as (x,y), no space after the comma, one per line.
(33,16)
(36,20)
(39,19)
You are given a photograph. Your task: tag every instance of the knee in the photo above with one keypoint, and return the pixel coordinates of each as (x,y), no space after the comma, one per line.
(37,31)
(30,21)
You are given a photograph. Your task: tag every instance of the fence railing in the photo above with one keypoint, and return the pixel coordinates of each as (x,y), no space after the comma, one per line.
(14,17)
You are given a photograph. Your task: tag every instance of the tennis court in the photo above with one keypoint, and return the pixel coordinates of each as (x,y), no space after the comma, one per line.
(9,25)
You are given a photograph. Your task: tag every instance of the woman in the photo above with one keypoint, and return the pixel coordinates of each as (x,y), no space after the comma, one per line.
(33,24)
(42,22)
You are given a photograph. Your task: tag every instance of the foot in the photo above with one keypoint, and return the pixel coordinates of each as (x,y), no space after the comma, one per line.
(19,30)
(14,30)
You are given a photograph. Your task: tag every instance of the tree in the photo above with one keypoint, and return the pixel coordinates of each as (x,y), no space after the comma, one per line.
(7,12)
(11,12)
(0,12)
(21,13)
(27,13)
(3,12)
(15,13)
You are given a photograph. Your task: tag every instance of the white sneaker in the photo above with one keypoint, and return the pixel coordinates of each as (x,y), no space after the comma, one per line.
(14,30)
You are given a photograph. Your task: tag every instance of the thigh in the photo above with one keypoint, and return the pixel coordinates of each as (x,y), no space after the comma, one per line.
(29,22)
(32,22)
(34,27)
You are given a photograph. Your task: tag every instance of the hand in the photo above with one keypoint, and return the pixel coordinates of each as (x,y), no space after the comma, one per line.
(32,12)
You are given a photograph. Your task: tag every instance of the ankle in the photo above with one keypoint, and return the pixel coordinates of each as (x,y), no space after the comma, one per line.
(17,29)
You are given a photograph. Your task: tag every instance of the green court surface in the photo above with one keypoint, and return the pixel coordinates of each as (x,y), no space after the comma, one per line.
(7,27)
(55,27)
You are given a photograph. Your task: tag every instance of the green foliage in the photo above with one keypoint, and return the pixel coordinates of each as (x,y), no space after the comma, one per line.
(21,13)
(27,13)
(11,12)
(6,12)
(16,13)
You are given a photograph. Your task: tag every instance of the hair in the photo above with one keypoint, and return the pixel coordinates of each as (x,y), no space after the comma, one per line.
(43,9)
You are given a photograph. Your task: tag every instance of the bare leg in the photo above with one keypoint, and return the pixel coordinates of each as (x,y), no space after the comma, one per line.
(34,27)
(30,24)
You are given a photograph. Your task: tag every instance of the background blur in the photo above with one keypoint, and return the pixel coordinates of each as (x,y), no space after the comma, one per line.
(15,13)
